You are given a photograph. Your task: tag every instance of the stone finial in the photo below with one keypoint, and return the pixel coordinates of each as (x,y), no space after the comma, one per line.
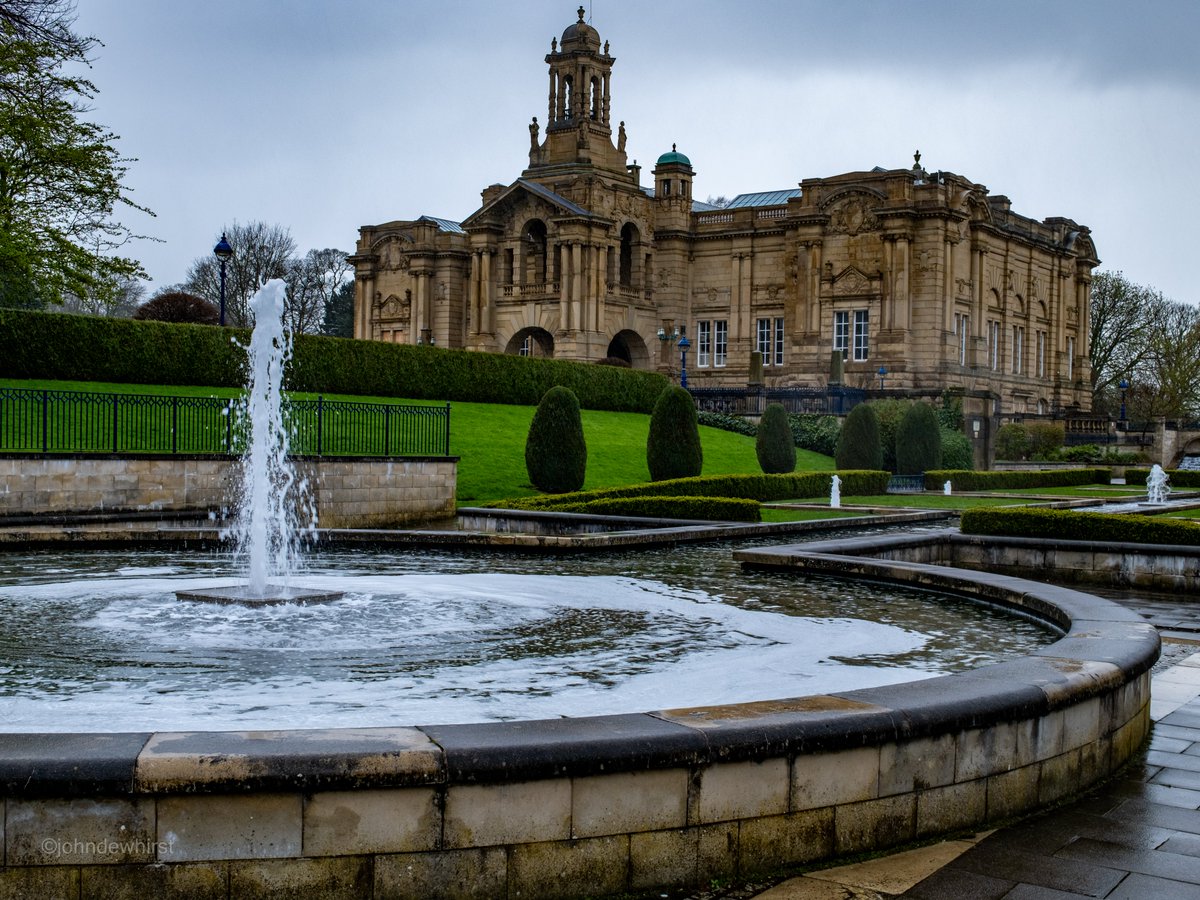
(581,12)
(917,160)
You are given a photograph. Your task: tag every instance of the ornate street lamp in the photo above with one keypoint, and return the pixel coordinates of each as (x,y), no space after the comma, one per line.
(1124,386)
(882,374)
(684,344)
(222,252)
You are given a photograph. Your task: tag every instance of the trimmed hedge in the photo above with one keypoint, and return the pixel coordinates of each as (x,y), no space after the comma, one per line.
(729,509)
(859,444)
(1179,478)
(966,480)
(774,445)
(761,488)
(918,441)
(555,448)
(673,447)
(1064,524)
(735,424)
(59,346)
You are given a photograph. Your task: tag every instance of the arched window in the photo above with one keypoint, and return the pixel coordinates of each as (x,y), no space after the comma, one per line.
(629,240)
(568,95)
(534,256)
(595,98)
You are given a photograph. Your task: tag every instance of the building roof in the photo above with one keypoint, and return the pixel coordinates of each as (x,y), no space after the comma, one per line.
(443,224)
(763,198)
(542,191)
(673,157)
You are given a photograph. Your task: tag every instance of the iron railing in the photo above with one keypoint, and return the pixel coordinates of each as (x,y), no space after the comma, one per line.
(49,421)
(742,401)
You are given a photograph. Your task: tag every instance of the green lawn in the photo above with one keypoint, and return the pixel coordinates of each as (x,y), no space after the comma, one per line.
(1096,491)
(806,515)
(489,439)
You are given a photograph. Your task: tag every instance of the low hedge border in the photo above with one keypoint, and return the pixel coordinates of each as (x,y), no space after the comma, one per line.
(760,488)
(1180,478)
(967,480)
(1064,524)
(730,509)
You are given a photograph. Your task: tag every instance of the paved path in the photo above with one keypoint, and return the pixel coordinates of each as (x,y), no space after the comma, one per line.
(1137,838)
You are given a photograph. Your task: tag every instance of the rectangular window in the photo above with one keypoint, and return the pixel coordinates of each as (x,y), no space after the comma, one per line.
(779,341)
(1041,354)
(994,345)
(861,340)
(762,339)
(527,346)
(703,344)
(1018,349)
(1070,358)
(721,343)
(841,333)
(962,327)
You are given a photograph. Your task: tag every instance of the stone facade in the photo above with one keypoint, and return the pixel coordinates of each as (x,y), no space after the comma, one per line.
(924,274)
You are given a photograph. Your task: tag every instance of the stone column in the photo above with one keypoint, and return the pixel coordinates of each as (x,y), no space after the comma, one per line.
(576,283)
(887,309)
(814,287)
(473,293)
(486,313)
(948,288)
(564,288)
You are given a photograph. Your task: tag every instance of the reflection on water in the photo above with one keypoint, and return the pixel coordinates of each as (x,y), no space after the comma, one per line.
(97,641)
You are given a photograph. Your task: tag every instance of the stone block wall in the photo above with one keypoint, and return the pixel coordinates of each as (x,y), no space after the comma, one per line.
(585,807)
(349,492)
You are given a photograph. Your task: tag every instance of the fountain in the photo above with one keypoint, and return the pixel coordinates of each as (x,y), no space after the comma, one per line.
(946,489)
(1157,485)
(835,493)
(265,531)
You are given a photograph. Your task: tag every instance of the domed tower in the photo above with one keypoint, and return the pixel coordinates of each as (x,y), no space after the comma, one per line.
(579,125)
(673,175)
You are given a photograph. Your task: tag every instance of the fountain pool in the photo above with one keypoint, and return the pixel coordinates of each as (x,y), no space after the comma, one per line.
(98,641)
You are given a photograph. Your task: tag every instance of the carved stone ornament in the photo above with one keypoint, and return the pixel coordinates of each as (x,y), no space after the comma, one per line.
(853,217)
(396,308)
(391,256)
(851,282)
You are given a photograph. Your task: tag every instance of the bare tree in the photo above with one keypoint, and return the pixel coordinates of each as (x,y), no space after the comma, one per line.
(260,252)
(312,283)
(117,298)
(1172,365)
(1122,317)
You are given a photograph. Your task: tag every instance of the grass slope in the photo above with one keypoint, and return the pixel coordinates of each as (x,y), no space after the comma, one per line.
(490,441)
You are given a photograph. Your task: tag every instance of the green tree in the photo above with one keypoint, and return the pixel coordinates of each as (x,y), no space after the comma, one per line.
(673,444)
(60,175)
(918,441)
(1121,328)
(889,413)
(956,450)
(555,450)
(339,312)
(858,445)
(774,444)
(1012,441)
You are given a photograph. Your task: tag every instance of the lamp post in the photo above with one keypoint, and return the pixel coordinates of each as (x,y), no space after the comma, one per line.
(222,252)
(882,375)
(1124,386)
(684,344)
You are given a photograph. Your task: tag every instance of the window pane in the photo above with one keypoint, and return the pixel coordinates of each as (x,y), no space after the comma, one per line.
(703,343)
(721,327)
(861,345)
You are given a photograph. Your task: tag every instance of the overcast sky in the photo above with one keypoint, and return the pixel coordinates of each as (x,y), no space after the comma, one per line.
(323,116)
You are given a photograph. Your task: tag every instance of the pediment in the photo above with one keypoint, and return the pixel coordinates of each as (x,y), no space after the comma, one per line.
(851,282)
(523,200)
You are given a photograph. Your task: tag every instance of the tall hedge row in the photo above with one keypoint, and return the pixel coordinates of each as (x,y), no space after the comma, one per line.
(968,480)
(1178,478)
(752,487)
(1063,524)
(85,348)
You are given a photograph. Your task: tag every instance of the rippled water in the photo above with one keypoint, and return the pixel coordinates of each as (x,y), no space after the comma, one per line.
(97,641)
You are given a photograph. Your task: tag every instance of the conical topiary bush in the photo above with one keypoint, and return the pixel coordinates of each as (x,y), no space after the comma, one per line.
(555,450)
(774,444)
(673,445)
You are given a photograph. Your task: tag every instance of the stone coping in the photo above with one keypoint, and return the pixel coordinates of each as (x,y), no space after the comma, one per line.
(1103,648)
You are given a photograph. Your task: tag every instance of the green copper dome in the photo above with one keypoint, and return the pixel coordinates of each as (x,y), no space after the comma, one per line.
(674,157)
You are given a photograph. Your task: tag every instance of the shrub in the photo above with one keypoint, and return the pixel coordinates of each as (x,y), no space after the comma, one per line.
(1045,438)
(815,432)
(950,414)
(614,361)
(555,450)
(1179,478)
(177,306)
(774,445)
(736,424)
(63,347)
(673,444)
(957,452)
(762,488)
(1012,441)
(918,441)
(858,444)
(1063,524)
(889,413)
(966,480)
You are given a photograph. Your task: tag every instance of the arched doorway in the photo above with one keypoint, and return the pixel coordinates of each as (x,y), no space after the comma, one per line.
(531,342)
(629,346)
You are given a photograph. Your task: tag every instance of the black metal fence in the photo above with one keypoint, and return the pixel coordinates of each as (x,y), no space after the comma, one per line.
(741,401)
(46,421)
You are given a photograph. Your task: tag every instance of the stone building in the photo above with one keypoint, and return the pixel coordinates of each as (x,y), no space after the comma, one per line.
(923,275)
